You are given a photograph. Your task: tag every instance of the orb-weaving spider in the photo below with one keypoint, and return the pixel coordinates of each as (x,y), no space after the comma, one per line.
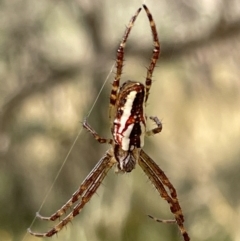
(128,118)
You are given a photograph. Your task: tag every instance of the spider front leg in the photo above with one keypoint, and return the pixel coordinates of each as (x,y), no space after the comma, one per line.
(157,129)
(95,134)
(155,54)
(119,65)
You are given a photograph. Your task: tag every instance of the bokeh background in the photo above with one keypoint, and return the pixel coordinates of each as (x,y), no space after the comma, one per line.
(54,58)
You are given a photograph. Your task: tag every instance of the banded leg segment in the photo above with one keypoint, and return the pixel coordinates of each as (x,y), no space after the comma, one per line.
(157,129)
(84,193)
(159,180)
(95,134)
(171,221)
(119,65)
(155,54)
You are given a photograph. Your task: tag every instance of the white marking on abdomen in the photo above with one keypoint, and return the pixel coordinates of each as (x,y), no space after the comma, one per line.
(127,110)
(142,136)
(125,137)
(122,133)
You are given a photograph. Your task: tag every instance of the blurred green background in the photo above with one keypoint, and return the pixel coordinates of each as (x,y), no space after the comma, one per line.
(54,58)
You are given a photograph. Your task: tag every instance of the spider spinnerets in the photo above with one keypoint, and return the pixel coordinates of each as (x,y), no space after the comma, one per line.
(128,118)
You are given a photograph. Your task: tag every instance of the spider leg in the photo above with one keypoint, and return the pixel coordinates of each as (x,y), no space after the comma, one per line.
(171,221)
(95,135)
(85,192)
(164,179)
(119,64)
(156,52)
(159,180)
(157,129)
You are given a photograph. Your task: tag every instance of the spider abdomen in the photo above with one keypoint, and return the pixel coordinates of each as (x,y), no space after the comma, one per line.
(129,123)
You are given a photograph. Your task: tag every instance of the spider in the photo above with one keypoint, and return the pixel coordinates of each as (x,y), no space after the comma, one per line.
(128,118)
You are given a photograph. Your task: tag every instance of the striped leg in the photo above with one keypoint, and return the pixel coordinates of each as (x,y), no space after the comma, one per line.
(83,195)
(156,52)
(160,181)
(157,129)
(119,65)
(95,134)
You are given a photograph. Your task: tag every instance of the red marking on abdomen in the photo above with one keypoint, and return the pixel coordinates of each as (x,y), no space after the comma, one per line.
(129,124)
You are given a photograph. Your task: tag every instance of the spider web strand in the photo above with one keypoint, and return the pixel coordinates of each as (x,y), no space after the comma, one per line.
(69,152)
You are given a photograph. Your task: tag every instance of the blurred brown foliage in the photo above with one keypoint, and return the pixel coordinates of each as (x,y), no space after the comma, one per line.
(55,56)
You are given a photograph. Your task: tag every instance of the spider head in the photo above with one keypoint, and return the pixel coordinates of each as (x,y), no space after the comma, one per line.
(126,159)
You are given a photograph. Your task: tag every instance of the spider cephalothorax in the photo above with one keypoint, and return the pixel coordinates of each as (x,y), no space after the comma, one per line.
(128,119)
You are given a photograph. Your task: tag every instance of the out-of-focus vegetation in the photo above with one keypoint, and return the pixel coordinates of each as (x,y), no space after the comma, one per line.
(55,56)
